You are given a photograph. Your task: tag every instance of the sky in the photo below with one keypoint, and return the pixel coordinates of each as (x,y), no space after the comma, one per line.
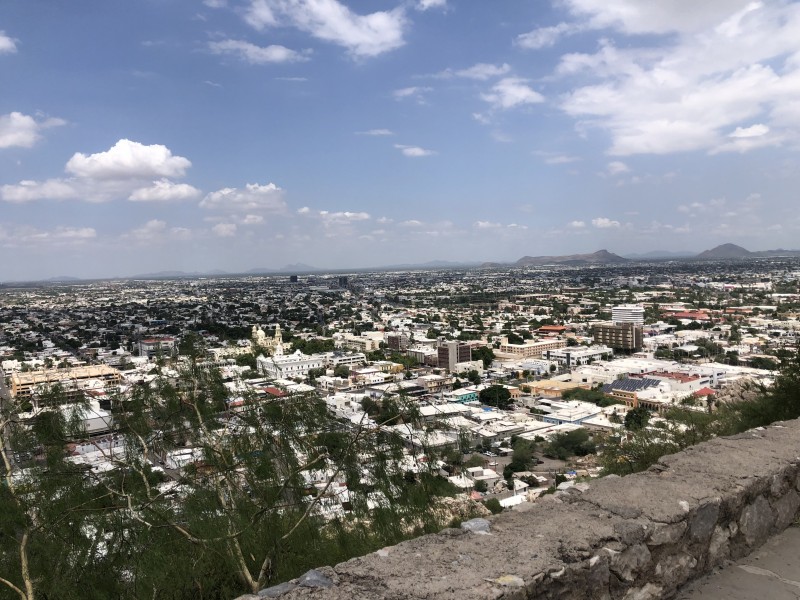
(146,135)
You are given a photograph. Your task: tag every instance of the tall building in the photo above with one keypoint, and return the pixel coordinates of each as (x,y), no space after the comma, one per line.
(628,313)
(450,353)
(620,336)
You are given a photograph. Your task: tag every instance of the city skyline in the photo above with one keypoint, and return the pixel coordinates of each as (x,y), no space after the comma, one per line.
(242,134)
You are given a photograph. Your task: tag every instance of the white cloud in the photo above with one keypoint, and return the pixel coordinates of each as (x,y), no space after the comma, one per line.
(128,160)
(605,223)
(165,190)
(216,3)
(151,230)
(331,21)
(252,220)
(258,55)
(479,71)
(552,158)
(7,44)
(414,93)
(617,167)
(303,211)
(728,64)
(544,37)
(30,191)
(748,132)
(512,92)
(429,4)
(59,237)
(224,229)
(253,198)
(17,129)
(486,225)
(414,151)
(577,224)
(377,132)
(666,16)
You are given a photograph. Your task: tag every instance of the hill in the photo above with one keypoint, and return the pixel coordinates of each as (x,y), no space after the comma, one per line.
(601,257)
(725,251)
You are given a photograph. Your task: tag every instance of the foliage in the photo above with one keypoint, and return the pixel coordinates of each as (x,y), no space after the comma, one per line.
(246,511)
(485,354)
(570,443)
(637,418)
(496,395)
(493,504)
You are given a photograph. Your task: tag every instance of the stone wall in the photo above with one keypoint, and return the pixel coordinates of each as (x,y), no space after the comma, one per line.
(635,538)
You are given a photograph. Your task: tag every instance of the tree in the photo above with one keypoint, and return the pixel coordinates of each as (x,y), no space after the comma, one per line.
(637,418)
(485,354)
(496,395)
(247,509)
(474,377)
(341,371)
(481,486)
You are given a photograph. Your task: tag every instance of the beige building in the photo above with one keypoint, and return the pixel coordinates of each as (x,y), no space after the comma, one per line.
(73,381)
(531,349)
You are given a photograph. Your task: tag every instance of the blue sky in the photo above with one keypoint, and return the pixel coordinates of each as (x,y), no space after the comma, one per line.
(232,134)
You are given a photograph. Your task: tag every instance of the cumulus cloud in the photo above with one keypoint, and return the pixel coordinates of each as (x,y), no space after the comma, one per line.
(577,224)
(30,191)
(331,21)
(59,237)
(253,198)
(486,225)
(617,167)
(252,220)
(165,190)
(726,66)
(7,44)
(512,92)
(416,93)
(429,4)
(128,160)
(605,223)
(479,71)
(224,229)
(258,55)
(414,151)
(17,129)
(127,170)
(544,37)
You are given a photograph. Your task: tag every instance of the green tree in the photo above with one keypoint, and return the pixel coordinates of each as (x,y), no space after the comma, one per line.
(485,354)
(637,418)
(496,395)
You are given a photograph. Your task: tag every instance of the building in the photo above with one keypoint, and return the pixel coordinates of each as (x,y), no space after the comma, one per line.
(448,354)
(155,346)
(398,341)
(73,382)
(628,313)
(290,366)
(619,336)
(531,349)
(578,355)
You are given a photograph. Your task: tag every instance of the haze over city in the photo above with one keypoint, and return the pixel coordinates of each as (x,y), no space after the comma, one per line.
(136,137)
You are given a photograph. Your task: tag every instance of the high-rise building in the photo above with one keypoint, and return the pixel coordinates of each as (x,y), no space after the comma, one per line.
(628,313)
(451,353)
(620,336)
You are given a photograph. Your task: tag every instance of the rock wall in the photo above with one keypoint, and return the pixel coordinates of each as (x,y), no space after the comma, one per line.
(638,537)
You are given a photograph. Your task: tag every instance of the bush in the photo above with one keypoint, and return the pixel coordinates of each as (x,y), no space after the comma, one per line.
(493,504)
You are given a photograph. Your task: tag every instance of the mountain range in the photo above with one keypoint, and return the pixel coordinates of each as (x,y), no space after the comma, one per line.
(601,257)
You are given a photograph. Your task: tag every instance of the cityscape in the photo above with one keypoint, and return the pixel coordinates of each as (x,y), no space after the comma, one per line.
(336,299)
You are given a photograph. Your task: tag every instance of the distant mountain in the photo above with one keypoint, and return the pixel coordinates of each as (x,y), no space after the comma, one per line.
(725,251)
(63,278)
(601,257)
(178,274)
(660,254)
(299,268)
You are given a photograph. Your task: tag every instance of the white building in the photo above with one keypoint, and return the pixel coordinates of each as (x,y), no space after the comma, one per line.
(628,313)
(290,366)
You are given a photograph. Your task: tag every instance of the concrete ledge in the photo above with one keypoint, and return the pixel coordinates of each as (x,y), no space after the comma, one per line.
(638,537)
